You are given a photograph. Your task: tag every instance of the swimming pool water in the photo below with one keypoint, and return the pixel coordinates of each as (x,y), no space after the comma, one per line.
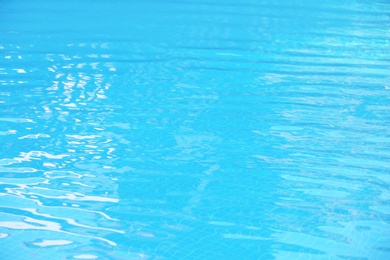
(188,129)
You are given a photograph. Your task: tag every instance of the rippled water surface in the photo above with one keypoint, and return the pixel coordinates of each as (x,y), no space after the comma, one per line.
(184,129)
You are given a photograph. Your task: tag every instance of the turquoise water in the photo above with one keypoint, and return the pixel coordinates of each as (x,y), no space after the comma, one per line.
(188,129)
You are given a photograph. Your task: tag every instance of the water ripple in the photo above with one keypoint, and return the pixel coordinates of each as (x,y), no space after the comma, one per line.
(194,129)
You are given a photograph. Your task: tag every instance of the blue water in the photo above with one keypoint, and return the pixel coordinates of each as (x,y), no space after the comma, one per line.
(183,129)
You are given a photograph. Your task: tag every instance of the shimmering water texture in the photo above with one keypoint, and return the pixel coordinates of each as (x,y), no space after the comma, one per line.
(183,129)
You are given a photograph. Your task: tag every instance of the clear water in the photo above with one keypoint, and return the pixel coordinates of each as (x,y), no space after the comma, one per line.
(212,129)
